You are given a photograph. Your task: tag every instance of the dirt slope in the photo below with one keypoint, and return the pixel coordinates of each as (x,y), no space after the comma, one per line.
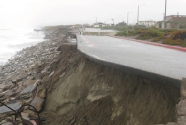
(86,93)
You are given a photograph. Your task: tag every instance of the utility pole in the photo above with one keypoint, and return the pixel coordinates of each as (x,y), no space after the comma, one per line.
(118,18)
(128,17)
(128,20)
(165,26)
(138,16)
(138,13)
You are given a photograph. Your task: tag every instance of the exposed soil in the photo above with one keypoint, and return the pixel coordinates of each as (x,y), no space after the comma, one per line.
(86,93)
(69,89)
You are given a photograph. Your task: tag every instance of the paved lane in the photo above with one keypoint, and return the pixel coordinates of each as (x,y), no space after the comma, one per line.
(153,59)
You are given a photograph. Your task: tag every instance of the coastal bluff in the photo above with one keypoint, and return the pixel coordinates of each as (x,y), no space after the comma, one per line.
(69,89)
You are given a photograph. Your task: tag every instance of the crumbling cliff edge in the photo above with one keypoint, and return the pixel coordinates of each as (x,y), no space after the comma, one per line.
(70,89)
(89,93)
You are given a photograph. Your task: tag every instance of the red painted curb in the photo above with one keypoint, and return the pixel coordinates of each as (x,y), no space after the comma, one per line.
(152,43)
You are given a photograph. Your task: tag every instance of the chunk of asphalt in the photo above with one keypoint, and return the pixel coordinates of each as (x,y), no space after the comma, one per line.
(14,106)
(29,89)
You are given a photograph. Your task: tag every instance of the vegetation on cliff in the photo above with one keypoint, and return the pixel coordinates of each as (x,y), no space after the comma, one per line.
(168,36)
(176,38)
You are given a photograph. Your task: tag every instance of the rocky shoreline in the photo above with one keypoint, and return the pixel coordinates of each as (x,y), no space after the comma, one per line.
(21,77)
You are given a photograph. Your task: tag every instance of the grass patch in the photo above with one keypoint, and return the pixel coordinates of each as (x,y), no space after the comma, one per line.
(172,42)
(168,36)
(183,44)
(146,33)
(176,38)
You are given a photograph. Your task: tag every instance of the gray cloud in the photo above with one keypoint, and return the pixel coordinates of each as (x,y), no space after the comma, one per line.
(55,12)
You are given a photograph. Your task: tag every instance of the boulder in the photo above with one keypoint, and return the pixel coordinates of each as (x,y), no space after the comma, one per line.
(38,103)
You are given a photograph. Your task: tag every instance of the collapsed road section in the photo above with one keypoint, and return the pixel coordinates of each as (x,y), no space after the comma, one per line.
(86,92)
(70,89)
(90,93)
(158,63)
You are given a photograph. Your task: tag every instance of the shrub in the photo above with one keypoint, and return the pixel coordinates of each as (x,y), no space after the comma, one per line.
(179,35)
(183,44)
(123,33)
(172,42)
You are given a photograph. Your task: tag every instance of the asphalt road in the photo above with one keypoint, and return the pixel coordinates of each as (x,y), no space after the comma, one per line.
(159,61)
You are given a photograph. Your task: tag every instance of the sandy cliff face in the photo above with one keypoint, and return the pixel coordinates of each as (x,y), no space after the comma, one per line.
(73,90)
(86,93)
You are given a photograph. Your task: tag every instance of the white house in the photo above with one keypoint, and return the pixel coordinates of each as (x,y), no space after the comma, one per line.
(148,23)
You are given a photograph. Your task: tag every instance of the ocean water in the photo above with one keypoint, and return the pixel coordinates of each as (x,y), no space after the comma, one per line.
(13,40)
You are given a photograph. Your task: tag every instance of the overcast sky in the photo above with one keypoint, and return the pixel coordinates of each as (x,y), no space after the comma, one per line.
(30,13)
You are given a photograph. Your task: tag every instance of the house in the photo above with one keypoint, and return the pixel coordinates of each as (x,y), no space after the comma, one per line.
(148,23)
(159,24)
(99,25)
(172,22)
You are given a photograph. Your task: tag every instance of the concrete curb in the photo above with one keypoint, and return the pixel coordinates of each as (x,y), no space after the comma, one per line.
(153,43)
